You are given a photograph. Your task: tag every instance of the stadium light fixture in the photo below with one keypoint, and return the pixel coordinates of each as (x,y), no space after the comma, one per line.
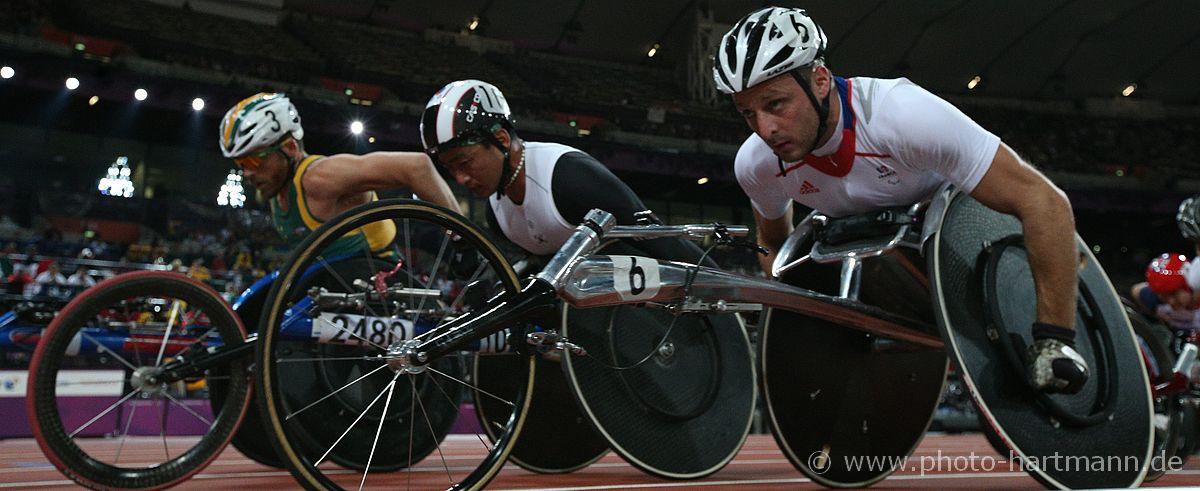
(653,50)
(702,181)
(197,104)
(72,83)
(232,194)
(7,72)
(116,181)
(1129,90)
(140,94)
(974,82)
(356,127)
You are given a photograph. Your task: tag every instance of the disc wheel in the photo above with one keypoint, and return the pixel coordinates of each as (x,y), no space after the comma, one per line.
(388,418)
(97,385)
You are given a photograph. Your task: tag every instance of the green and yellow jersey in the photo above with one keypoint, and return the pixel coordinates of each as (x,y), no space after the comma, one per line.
(294,221)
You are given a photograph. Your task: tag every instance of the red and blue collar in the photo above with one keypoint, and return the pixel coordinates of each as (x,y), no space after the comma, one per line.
(838,163)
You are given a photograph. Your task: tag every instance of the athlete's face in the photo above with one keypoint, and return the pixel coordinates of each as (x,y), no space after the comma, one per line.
(271,175)
(476,167)
(781,114)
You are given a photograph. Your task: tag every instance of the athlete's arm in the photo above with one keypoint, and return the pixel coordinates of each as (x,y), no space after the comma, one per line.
(1144,298)
(347,177)
(1014,187)
(581,183)
(772,232)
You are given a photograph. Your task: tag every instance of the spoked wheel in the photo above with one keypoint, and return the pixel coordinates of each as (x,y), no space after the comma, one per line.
(374,415)
(103,401)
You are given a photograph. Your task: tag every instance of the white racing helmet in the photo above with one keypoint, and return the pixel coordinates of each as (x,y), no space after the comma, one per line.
(766,43)
(258,121)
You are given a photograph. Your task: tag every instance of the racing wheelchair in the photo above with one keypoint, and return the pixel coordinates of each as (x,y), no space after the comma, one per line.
(367,368)
(842,377)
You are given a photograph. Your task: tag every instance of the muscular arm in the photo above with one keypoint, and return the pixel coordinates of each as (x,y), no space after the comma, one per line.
(581,183)
(771,235)
(1013,186)
(346,178)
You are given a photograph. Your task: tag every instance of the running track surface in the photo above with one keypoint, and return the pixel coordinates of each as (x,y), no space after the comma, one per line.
(759,465)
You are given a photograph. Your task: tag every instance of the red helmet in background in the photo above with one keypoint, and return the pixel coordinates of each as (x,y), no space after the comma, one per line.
(1166,274)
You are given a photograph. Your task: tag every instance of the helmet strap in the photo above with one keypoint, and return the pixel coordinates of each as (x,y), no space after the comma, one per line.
(822,108)
(506,169)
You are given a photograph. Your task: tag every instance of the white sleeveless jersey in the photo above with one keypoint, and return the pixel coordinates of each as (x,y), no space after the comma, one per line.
(898,143)
(536,224)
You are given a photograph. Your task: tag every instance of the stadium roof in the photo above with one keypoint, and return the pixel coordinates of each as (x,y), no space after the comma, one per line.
(1038,49)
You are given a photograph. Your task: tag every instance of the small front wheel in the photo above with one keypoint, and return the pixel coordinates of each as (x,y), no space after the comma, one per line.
(111,371)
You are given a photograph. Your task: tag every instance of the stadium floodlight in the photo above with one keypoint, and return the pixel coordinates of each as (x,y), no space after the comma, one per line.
(356,127)
(72,83)
(117,181)
(702,181)
(232,193)
(7,72)
(197,104)
(1129,90)
(653,50)
(974,82)
(140,94)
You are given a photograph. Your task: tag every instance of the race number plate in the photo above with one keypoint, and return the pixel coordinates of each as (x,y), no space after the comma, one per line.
(634,277)
(359,329)
(352,329)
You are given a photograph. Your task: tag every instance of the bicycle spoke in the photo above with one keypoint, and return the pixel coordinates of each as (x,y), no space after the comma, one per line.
(188,409)
(412,406)
(351,427)
(378,358)
(379,429)
(331,394)
(125,433)
(429,424)
(103,348)
(472,387)
(457,300)
(370,264)
(341,281)
(162,428)
(433,272)
(455,404)
(105,412)
(87,382)
(162,348)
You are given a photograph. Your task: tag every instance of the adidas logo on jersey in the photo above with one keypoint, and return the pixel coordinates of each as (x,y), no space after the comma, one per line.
(808,188)
(887,174)
(885,171)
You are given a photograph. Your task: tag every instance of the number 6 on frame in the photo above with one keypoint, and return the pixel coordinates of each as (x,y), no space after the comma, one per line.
(635,277)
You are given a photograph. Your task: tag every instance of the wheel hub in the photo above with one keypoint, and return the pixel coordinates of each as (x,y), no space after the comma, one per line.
(146,380)
(402,357)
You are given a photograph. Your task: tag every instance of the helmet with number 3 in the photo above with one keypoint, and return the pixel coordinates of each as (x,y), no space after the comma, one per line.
(258,121)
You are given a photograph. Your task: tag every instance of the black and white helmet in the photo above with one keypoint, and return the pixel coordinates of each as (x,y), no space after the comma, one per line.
(464,112)
(1188,218)
(766,43)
